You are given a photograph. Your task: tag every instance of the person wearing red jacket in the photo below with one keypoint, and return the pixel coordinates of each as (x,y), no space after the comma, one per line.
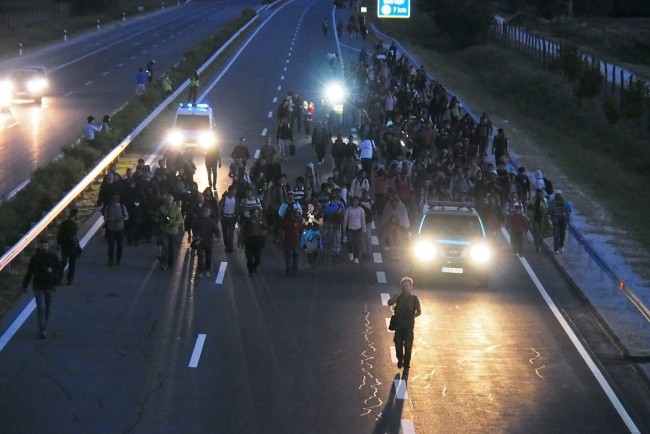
(292,226)
(517,225)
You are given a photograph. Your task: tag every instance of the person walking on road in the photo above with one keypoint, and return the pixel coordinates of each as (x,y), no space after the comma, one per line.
(354,227)
(407,308)
(228,212)
(66,238)
(45,270)
(560,211)
(319,141)
(292,226)
(204,231)
(115,214)
(194,87)
(517,225)
(212,163)
(169,218)
(538,208)
(254,239)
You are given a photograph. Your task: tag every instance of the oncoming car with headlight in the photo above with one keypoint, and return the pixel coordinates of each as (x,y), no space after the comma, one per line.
(451,241)
(26,84)
(193,126)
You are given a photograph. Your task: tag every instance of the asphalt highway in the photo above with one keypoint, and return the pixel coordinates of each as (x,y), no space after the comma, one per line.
(136,349)
(95,75)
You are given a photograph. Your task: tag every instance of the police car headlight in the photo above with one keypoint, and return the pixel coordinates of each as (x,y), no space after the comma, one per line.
(175,138)
(335,93)
(206,140)
(424,250)
(480,253)
(36,85)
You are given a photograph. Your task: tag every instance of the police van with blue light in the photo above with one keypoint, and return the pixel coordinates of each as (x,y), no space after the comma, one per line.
(193,127)
(451,241)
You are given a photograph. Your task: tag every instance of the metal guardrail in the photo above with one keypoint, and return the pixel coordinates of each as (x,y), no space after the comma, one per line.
(39,227)
(629,293)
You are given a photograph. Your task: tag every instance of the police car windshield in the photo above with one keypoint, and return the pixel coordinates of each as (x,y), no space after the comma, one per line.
(451,226)
(192,122)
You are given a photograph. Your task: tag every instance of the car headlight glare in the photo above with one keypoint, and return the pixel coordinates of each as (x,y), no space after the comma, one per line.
(480,253)
(35,85)
(206,140)
(424,250)
(175,138)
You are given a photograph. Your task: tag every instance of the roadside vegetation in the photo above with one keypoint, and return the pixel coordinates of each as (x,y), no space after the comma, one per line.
(50,183)
(607,167)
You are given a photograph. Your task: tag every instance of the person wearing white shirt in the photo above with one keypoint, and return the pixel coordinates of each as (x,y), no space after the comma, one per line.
(366,150)
(89,131)
(354,224)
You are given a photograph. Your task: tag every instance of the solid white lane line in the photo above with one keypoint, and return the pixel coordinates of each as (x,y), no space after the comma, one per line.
(18,322)
(264,131)
(384,298)
(578,346)
(407,426)
(104,74)
(88,82)
(270,115)
(374,240)
(393,355)
(400,389)
(381,277)
(275,99)
(377,257)
(94,228)
(257,154)
(221,273)
(196,354)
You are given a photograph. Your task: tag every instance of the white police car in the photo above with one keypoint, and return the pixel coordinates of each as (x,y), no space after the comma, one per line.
(193,126)
(451,241)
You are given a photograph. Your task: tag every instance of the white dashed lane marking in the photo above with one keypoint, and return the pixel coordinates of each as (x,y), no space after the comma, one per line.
(119,65)
(88,83)
(104,74)
(381,277)
(196,354)
(279,87)
(257,154)
(408,427)
(400,389)
(264,132)
(384,298)
(393,354)
(221,273)
(270,115)
(377,258)
(374,240)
